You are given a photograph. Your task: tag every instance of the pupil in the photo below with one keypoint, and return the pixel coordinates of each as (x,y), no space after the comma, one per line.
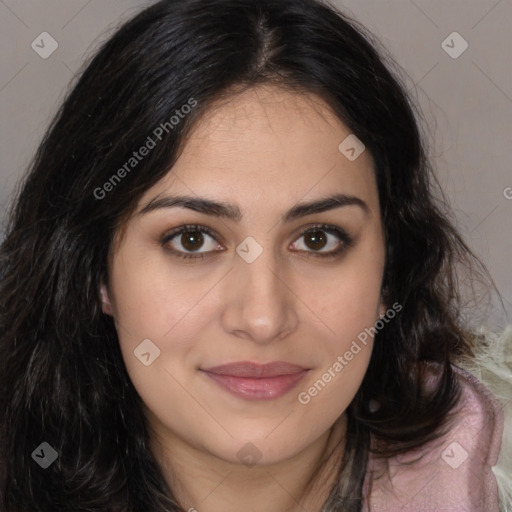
(317,239)
(192,241)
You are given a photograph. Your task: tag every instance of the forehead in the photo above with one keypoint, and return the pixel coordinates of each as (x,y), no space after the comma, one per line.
(267,142)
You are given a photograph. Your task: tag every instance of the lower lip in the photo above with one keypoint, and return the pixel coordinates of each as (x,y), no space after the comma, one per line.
(267,388)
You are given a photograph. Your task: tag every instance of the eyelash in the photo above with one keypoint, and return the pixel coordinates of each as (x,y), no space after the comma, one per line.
(345,238)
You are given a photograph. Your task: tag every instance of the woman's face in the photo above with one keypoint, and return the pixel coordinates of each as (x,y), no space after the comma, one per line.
(246,285)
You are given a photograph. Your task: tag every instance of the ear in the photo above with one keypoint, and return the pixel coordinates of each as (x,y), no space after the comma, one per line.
(106,305)
(382,309)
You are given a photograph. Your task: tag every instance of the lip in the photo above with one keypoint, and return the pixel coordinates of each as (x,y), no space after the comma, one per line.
(256,370)
(254,381)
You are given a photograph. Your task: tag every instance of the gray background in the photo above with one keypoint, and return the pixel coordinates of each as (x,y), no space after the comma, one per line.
(466,101)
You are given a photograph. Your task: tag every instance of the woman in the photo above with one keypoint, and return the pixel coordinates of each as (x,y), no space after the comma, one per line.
(227,283)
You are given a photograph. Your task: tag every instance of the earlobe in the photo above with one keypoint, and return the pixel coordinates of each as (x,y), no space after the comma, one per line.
(382,310)
(106,305)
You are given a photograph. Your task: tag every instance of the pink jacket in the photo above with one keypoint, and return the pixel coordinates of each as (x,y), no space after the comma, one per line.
(455,474)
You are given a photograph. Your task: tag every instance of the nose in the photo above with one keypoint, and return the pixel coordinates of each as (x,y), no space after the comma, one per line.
(260,302)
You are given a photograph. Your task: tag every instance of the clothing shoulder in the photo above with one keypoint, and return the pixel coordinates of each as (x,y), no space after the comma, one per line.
(455,472)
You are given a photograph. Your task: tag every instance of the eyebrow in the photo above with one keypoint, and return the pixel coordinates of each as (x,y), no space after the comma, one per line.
(233,212)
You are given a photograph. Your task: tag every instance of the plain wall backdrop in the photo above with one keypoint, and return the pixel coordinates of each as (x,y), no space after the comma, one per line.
(457,55)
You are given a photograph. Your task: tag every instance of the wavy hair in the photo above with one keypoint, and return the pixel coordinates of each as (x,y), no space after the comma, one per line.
(62,376)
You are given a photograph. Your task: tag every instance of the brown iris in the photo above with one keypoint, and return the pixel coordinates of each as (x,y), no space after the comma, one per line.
(192,240)
(315,239)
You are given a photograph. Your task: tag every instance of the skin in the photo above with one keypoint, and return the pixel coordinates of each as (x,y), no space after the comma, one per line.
(265,151)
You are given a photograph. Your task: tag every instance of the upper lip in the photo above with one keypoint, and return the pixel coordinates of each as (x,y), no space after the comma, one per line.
(256,370)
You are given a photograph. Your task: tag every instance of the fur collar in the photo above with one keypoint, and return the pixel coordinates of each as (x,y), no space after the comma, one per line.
(493,367)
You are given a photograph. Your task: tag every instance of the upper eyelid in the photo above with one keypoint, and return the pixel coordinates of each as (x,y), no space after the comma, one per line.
(191,227)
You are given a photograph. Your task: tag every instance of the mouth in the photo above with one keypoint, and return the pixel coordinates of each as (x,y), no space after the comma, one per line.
(253,381)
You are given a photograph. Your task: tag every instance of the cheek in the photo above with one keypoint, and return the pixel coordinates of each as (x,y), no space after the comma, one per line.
(345,353)
(352,301)
(151,309)
(350,308)
(151,297)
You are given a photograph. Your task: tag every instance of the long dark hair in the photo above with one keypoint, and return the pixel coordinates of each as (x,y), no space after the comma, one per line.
(62,377)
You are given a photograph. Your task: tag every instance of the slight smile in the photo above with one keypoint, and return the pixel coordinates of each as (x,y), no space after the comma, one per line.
(254,381)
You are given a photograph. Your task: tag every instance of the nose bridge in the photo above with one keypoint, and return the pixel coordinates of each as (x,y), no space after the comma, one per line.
(260,303)
(260,275)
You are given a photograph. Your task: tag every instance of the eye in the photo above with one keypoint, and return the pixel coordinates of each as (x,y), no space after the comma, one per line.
(190,239)
(333,239)
(196,241)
